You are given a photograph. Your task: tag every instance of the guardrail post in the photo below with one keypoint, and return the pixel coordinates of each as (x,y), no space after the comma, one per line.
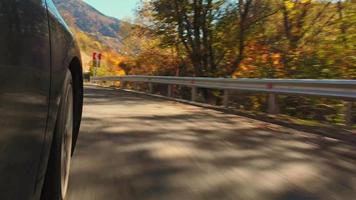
(122,84)
(150,87)
(272,104)
(134,86)
(348,114)
(226,98)
(170,90)
(194,93)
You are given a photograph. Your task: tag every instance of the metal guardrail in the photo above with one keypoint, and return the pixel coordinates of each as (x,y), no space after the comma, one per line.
(338,89)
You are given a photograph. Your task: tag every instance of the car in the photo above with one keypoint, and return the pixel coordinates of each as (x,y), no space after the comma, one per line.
(41,98)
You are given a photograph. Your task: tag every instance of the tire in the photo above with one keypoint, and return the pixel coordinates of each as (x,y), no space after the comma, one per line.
(56,181)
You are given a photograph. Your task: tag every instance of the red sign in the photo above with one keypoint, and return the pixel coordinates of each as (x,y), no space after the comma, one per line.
(97,56)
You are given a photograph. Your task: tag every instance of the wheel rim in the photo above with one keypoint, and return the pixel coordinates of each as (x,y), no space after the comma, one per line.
(67,144)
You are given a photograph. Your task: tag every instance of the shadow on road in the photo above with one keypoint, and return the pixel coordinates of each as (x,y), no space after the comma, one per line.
(138,147)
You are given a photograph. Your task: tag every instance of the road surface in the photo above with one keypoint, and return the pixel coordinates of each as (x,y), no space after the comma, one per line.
(138,147)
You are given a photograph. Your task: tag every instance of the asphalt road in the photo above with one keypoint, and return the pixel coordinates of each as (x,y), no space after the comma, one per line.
(138,147)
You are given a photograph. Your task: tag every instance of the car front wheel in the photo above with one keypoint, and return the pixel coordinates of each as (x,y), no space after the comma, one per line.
(57,175)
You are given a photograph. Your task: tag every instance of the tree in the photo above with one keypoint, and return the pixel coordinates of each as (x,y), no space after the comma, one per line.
(249,13)
(302,22)
(191,25)
(302,38)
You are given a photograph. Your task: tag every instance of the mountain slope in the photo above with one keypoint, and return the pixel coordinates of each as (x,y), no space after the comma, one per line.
(87,18)
(83,17)
(95,31)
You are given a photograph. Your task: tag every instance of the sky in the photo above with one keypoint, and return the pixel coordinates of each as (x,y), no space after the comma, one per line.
(115,8)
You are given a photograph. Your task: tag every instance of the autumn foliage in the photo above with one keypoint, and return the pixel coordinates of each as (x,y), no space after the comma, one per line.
(310,39)
(249,38)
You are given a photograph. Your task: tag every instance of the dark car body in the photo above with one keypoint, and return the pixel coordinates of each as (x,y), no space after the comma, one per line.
(36,51)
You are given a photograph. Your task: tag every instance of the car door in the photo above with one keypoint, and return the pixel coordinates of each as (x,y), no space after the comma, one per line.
(24,94)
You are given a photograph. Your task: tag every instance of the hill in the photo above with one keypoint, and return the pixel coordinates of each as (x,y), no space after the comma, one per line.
(95,31)
(81,16)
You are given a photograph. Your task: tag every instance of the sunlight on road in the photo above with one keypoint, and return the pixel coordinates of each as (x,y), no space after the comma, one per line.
(138,147)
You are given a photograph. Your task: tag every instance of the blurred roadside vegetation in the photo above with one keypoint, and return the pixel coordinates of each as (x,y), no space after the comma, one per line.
(246,38)
(298,39)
